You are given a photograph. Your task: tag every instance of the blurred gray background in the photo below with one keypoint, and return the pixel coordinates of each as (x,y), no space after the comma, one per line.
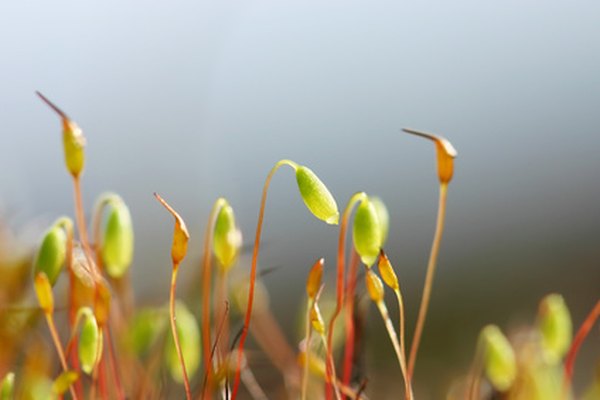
(198,99)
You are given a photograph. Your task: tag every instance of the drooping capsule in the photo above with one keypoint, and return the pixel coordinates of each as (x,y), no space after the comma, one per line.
(64,381)
(317,198)
(366,232)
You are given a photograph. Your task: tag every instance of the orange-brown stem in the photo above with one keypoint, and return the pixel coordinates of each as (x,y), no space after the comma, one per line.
(341,256)
(350,329)
(186,382)
(582,333)
(431,267)
(244,334)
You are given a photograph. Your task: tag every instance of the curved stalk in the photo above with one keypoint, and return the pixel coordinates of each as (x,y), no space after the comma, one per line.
(582,333)
(341,255)
(401,322)
(431,266)
(261,213)
(186,382)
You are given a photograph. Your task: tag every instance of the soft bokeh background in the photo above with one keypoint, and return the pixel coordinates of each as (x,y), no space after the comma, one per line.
(198,99)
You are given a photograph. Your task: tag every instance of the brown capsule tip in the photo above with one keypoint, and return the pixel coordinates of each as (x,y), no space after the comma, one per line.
(442,141)
(53,106)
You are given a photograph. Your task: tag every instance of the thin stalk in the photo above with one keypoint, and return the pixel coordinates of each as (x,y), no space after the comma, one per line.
(582,333)
(307,336)
(59,349)
(341,255)
(261,214)
(350,328)
(206,280)
(401,322)
(188,391)
(394,339)
(338,395)
(216,344)
(431,266)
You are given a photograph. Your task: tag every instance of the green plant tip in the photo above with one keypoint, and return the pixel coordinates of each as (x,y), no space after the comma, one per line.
(189,339)
(316,196)
(51,255)
(227,237)
(118,241)
(366,232)
(499,358)
(556,328)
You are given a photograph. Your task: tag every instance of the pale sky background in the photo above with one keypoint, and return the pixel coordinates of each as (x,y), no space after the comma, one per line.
(198,99)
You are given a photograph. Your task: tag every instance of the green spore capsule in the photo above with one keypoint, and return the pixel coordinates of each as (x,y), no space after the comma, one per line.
(366,232)
(117,244)
(498,358)
(556,328)
(227,237)
(7,387)
(316,196)
(189,338)
(90,341)
(384,218)
(51,255)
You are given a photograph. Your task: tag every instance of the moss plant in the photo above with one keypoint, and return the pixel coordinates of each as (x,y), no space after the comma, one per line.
(534,362)
(322,205)
(178,252)
(445,165)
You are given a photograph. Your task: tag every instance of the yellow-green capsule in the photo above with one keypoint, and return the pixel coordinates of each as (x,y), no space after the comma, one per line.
(316,196)
(7,386)
(145,329)
(74,146)
(43,290)
(227,237)
(387,271)
(374,286)
(73,140)
(90,340)
(64,381)
(499,358)
(117,245)
(366,232)
(189,339)
(556,328)
(384,218)
(52,253)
